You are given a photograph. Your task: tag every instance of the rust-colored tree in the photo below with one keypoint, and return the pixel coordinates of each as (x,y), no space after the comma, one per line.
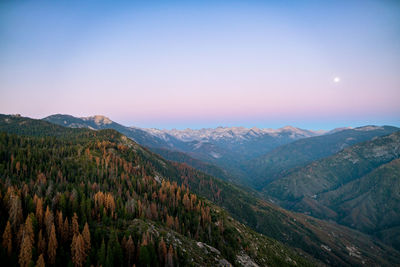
(48,220)
(40,262)
(39,211)
(162,251)
(52,246)
(78,250)
(130,250)
(41,246)
(7,239)
(60,224)
(170,257)
(186,201)
(75,225)
(25,254)
(28,229)
(86,238)
(15,211)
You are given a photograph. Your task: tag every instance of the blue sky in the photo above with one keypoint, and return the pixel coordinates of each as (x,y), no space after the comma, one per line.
(177,64)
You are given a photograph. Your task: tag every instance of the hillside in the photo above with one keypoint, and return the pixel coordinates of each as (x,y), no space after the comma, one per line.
(205,167)
(370,203)
(98,198)
(279,161)
(309,236)
(356,187)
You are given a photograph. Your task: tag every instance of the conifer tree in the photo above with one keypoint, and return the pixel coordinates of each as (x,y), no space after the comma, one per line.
(114,252)
(65,233)
(130,250)
(162,248)
(75,225)
(15,211)
(170,257)
(28,229)
(48,220)
(25,254)
(86,238)
(78,250)
(60,224)
(41,246)
(40,261)
(39,211)
(7,239)
(52,246)
(101,255)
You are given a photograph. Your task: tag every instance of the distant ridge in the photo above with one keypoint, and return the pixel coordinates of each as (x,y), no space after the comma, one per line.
(225,147)
(282,159)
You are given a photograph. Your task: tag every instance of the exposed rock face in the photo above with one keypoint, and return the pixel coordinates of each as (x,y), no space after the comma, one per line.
(98,119)
(244,260)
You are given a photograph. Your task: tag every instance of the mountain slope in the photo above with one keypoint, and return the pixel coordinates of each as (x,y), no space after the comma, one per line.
(305,233)
(357,186)
(334,171)
(276,163)
(105,183)
(205,167)
(370,203)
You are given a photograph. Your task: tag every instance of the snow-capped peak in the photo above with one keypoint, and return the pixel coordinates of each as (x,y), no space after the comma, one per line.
(229,133)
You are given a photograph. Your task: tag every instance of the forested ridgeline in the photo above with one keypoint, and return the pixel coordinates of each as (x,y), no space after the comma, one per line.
(72,200)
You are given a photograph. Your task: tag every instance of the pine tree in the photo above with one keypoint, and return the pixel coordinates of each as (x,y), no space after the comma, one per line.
(41,246)
(28,229)
(40,261)
(48,220)
(39,211)
(114,252)
(25,254)
(78,250)
(75,225)
(15,211)
(60,224)
(65,233)
(86,238)
(7,238)
(170,257)
(101,255)
(52,248)
(130,250)
(162,250)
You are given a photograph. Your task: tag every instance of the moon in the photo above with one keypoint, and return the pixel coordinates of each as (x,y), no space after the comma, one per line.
(336,79)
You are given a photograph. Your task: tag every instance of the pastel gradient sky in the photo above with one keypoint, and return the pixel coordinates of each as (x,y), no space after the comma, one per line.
(171,64)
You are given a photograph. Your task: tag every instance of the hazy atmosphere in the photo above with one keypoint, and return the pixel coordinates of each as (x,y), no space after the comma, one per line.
(311,64)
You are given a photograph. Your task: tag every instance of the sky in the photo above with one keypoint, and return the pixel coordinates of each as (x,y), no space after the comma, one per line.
(179,64)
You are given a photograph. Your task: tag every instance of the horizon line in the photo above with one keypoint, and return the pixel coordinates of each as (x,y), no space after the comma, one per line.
(315,129)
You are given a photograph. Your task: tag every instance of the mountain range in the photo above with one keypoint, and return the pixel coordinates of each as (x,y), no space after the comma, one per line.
(341,175)
(248,156)
(341,247)
(225,147)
